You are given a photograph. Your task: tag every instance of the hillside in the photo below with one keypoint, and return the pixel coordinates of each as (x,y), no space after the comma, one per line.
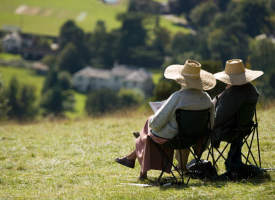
(75,160)
(46,17)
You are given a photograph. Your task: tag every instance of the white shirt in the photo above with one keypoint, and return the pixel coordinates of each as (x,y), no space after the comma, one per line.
(163,123)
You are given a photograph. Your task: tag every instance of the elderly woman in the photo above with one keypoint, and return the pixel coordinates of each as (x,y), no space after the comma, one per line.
(162,126)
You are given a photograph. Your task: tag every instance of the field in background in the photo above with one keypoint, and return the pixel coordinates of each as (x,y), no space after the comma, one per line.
(28,76)
(46,17)
(75,160)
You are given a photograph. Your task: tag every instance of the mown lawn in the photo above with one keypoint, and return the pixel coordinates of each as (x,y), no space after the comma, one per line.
(75,160)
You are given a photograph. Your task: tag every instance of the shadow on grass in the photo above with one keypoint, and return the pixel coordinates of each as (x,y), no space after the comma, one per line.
(170,183)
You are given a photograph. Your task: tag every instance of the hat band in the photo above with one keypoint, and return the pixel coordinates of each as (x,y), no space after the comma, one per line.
(192,75)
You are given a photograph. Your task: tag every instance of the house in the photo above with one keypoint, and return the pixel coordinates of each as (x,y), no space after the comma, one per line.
(90,79)
(12,42)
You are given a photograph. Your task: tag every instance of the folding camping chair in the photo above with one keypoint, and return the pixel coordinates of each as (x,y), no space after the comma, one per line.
(193,125)
(245,128)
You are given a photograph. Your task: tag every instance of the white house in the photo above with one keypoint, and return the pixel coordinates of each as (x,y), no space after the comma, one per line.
(12,42)
(89,79)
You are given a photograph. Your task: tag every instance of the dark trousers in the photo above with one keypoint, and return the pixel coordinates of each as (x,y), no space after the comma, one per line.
(234,160)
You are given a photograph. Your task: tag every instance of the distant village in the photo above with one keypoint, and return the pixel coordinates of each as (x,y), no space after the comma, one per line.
(87,79)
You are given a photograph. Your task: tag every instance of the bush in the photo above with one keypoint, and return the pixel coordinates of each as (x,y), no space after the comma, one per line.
(101,101)
(164,89)
(129,97)
(106,100)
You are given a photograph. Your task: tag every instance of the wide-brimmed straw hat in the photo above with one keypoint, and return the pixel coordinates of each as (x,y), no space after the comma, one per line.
(236,74)
(190,75)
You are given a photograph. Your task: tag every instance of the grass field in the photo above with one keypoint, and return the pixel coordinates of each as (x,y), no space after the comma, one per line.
(75,160)
(46,17)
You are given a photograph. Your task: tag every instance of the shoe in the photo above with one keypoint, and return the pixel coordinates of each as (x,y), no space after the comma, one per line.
(143,176)
(126,162)
(136,134)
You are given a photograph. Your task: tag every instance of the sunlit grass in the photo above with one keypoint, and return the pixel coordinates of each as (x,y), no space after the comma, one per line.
(74,159)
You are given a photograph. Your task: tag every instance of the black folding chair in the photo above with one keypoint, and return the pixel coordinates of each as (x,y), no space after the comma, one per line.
(193,125)
(244,128)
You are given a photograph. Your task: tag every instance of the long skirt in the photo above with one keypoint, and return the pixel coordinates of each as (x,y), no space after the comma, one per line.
(148,154)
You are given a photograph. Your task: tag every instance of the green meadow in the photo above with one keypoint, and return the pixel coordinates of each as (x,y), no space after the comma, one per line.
(46,17)
(74,159)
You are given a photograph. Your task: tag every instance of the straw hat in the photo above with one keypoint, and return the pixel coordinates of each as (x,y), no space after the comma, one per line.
(236,74)
(190,75)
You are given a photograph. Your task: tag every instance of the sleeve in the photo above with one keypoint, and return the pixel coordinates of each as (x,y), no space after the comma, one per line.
(164,114)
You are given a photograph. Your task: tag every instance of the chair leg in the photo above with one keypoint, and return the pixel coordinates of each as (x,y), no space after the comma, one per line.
(249,147)
(220,154)
(258,145)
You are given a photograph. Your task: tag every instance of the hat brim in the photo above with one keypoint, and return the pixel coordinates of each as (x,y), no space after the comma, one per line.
(205,80)
(238,79)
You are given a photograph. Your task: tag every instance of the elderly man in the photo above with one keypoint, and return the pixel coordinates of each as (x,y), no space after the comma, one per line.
(239,92)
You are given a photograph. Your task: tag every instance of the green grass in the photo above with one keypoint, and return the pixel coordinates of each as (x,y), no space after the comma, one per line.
(74,160)
(28,76)
(24,76)
(63,10)
(8,56)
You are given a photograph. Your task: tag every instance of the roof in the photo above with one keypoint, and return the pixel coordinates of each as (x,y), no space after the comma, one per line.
(121,70)
(138,76)
(95,73)
(40,66)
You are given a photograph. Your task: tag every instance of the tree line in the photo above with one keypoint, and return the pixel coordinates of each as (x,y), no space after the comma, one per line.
(220,30)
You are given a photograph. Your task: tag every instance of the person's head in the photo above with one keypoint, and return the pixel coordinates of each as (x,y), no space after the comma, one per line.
(235,73)
(190,75)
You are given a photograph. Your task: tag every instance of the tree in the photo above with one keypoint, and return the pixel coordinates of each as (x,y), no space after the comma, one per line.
(64,80)
(203,14)
(50,80)
(182,6)
(254,15)
(101,45)
(69,59)
(12,95)
(262,55)
(27,101)
(161,40)
(71,33)
(4,108)
(262,58)
(183,42)
(57,101)
(222,4)
(21,101)
(57,94)
(133,35)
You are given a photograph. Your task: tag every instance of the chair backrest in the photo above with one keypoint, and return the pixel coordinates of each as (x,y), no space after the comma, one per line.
(245,114)
(192,125)
(239,126)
